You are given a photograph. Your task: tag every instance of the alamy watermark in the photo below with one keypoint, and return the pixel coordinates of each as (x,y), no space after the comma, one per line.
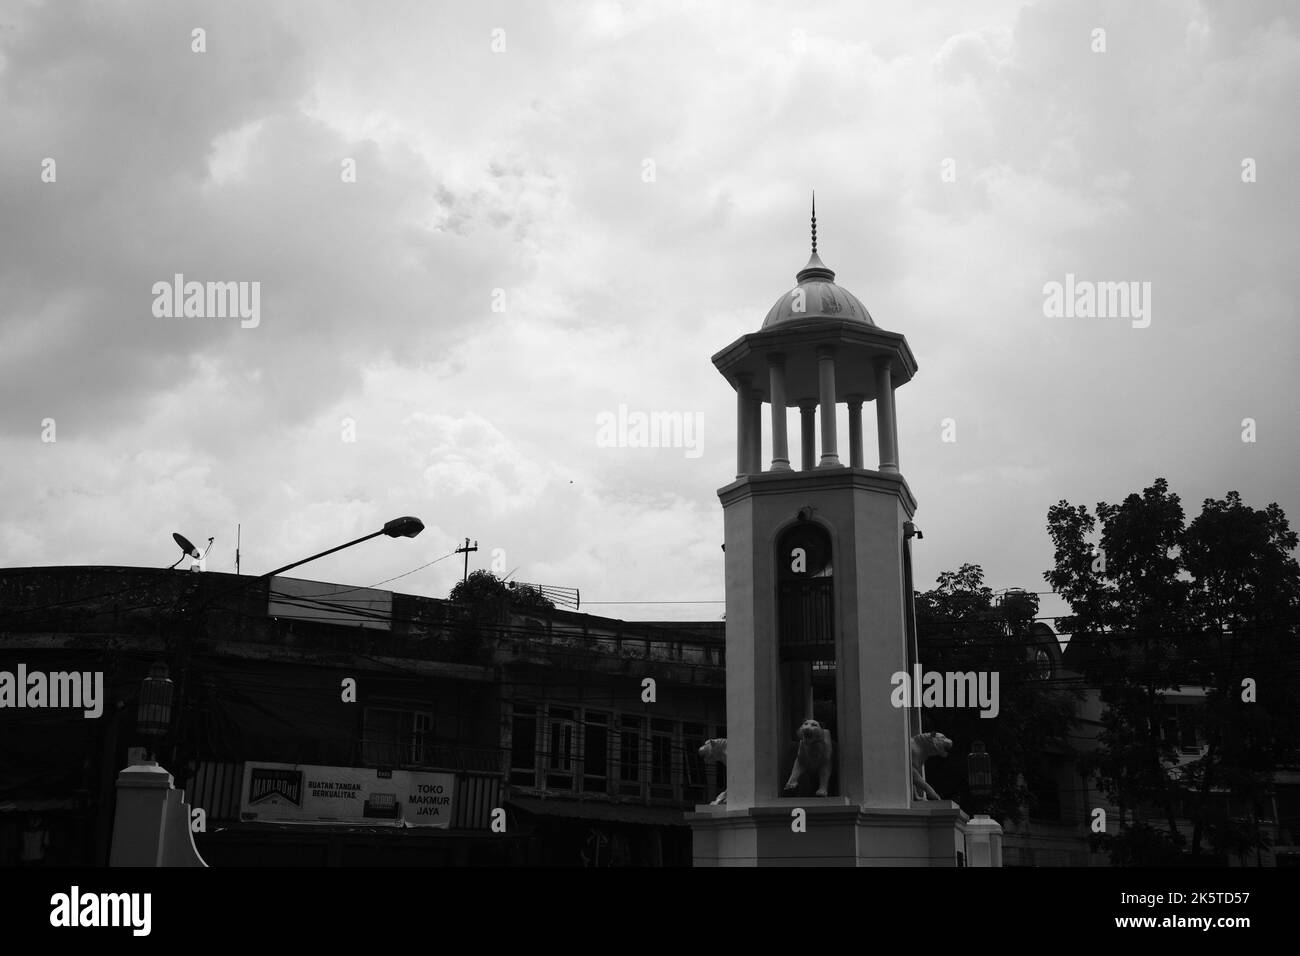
(77,909)
(208,300)
(56,690)
(948,689)
(1098,300)
(626,429)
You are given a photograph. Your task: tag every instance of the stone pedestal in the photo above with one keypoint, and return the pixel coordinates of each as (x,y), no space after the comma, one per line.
(983,841)
(836,833)
(152,825)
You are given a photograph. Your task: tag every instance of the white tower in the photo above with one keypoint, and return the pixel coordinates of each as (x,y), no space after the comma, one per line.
(819,597)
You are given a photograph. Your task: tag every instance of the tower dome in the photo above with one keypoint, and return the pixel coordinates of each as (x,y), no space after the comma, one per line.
(816,297)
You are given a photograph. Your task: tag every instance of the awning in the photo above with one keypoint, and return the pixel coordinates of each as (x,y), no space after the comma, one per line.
(332,826)
(38,804)
(599,811)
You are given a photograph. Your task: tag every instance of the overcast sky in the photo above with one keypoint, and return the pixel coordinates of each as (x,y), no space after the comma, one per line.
(634,179)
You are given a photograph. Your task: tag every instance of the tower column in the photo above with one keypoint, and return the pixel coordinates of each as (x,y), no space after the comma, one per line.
(755,425)
(885,417)
(807,433)
(893,420)
(855,431)
(776,380)
(744,408)
(826,383)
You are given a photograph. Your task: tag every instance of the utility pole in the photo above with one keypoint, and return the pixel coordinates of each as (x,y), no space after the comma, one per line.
(466,550)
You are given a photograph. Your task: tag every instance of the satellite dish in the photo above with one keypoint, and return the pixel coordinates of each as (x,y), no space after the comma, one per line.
(187,549)
(186,545)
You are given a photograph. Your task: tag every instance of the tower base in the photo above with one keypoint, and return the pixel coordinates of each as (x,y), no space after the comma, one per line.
(834,834)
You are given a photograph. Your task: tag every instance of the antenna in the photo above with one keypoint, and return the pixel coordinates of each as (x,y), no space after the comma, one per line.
(201,563)
(238,529)
(556,594)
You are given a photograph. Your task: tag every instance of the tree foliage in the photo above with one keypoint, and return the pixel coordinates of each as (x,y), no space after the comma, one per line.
(481,606)
(488,594)
(962,627)
(1161,606)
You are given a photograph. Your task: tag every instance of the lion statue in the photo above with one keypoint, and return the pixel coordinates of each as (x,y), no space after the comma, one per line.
(813,756)
(715,751)
(925,746)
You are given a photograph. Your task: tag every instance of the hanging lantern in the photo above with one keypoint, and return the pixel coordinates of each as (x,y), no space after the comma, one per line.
(979,771)
(153,716)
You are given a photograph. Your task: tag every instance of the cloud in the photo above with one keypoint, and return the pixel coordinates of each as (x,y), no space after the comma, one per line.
(518,180)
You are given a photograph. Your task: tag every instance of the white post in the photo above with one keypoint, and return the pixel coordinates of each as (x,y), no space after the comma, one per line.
(983,841)
(152,824)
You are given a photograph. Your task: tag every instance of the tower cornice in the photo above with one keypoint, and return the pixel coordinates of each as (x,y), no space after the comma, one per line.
(857,347)
(819,479)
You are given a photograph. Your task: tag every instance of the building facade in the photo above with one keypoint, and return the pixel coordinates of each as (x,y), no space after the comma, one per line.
(313,724)
(582,731)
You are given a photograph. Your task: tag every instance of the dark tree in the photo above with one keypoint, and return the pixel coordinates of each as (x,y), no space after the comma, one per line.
(1158,607)
(961,627)
(481,606)
(1246,602)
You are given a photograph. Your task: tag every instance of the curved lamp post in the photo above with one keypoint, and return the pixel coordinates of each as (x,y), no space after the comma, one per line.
(407,526)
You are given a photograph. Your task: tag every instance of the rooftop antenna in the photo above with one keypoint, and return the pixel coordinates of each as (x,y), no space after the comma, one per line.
(238,530)
(569,597)
(201,563)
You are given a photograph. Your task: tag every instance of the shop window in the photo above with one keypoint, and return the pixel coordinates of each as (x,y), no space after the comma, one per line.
(561,756)
(523,746)
(393,738)
(595,753)
(661,759)
(631,730)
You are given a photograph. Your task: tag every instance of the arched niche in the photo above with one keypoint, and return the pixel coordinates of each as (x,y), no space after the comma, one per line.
(806,635)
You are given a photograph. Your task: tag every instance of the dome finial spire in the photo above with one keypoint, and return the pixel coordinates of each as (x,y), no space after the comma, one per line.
(815,269)
(814,221)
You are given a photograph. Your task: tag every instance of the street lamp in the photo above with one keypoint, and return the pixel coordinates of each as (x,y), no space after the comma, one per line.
(407,527)
(153,715)
(983,833)
(979,775)
(404,527)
